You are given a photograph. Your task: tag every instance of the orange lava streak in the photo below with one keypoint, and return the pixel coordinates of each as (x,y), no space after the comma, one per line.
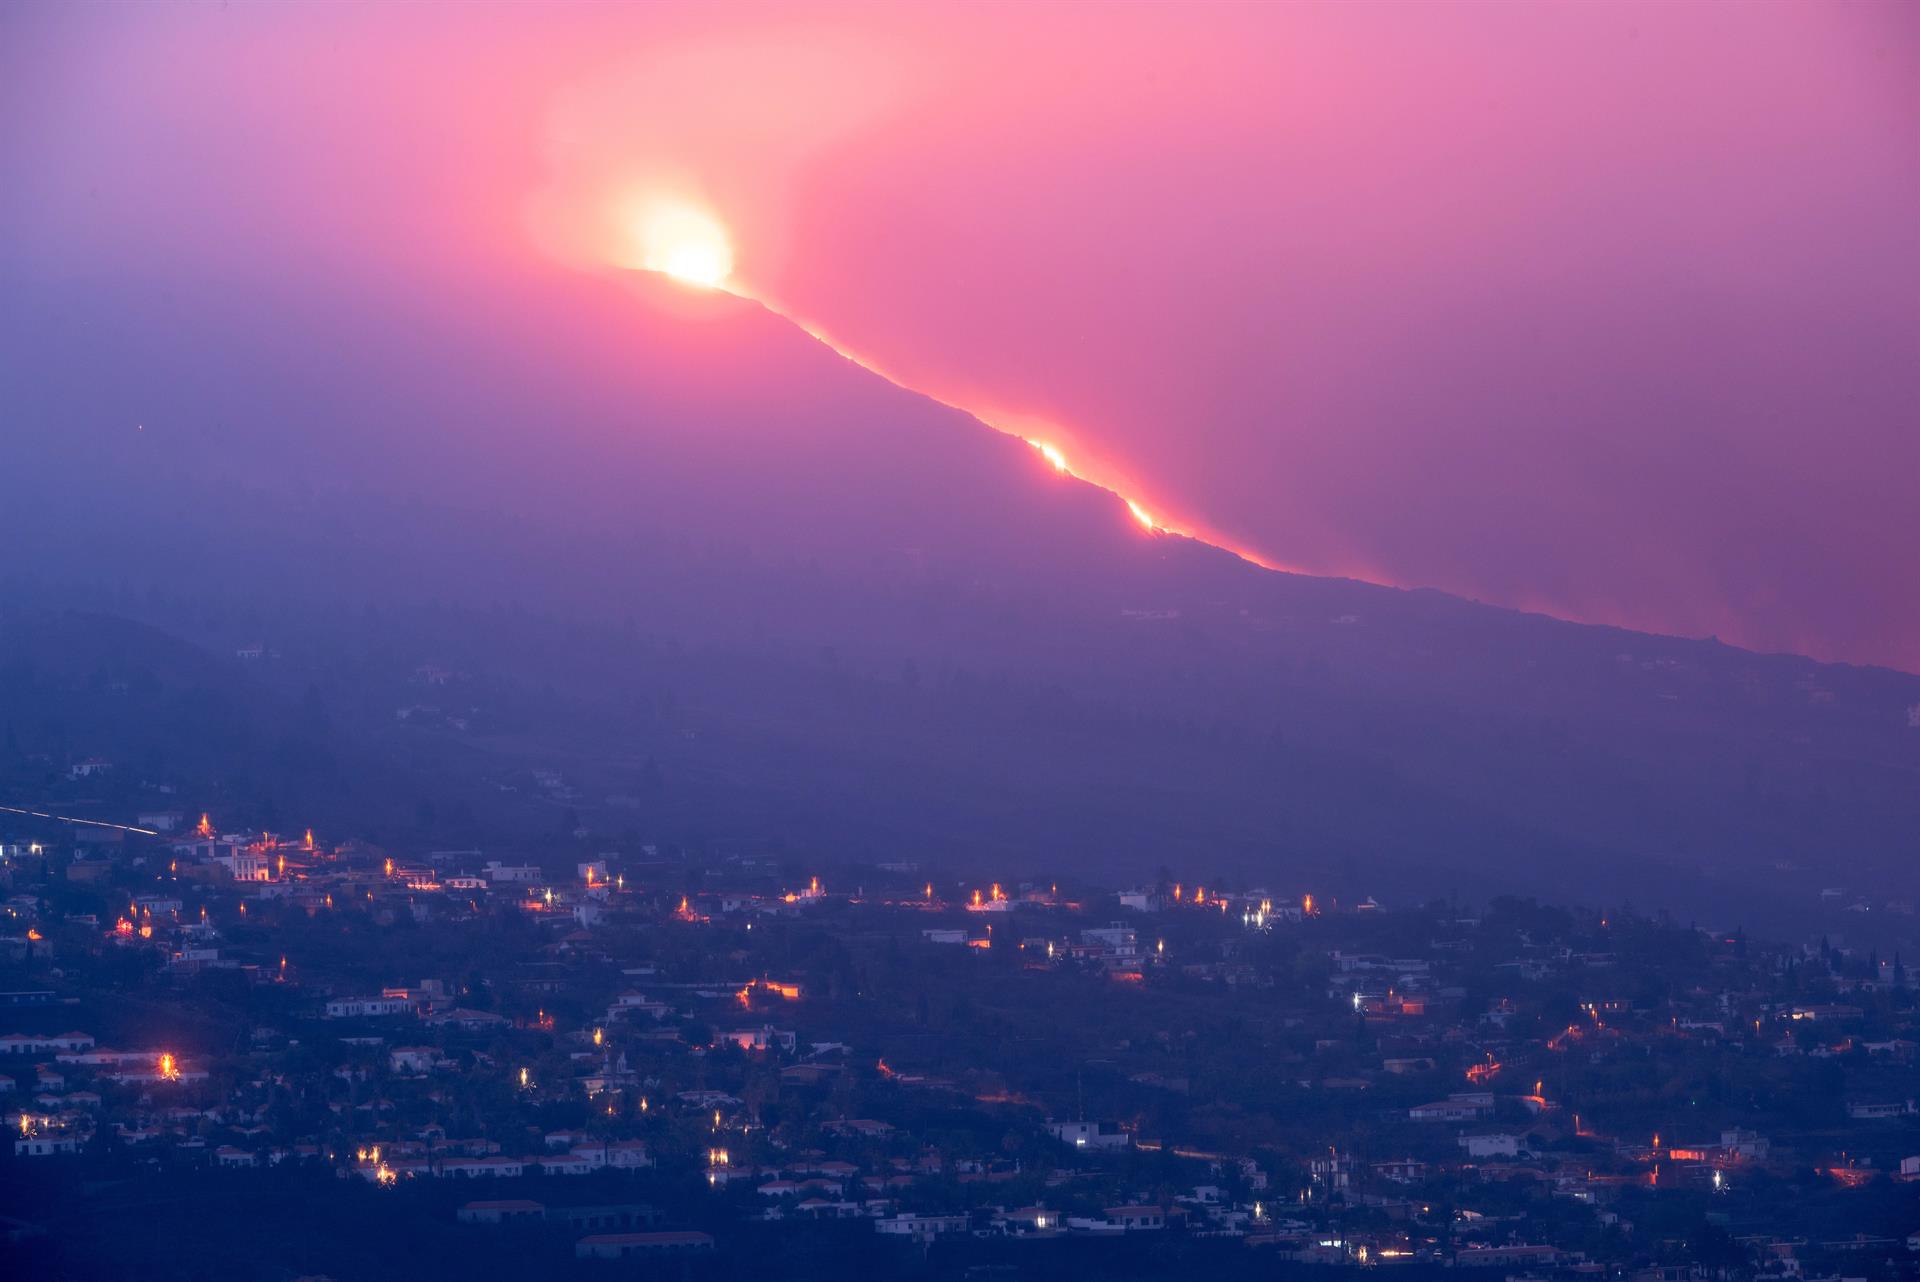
(1053,455)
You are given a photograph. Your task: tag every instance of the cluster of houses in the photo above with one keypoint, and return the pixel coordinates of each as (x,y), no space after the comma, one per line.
(1452,1087)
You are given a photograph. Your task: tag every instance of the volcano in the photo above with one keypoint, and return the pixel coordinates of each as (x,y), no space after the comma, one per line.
(745,591)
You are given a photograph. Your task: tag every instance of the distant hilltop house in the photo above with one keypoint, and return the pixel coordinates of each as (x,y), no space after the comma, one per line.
(760,1039)
(1094,1135)
(1469,1106)
(368,1007)
(89,768)
(34,1044)
(620,1246)
(471,1021)
(412,1059)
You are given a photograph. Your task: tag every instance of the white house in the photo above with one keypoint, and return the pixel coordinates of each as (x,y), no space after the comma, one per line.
(1089,1135)
(368,1007)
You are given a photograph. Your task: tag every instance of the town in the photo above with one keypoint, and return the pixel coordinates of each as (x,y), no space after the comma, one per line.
(536,1063)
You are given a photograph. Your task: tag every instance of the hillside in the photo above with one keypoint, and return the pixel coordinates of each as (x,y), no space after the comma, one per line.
(753,594)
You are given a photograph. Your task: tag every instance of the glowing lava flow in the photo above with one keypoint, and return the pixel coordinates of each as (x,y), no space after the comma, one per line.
(1053,455)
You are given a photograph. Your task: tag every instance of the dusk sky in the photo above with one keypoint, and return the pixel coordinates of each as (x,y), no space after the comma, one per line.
(1609,312)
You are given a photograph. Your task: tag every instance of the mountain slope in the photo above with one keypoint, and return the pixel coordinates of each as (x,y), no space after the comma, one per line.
(672,527)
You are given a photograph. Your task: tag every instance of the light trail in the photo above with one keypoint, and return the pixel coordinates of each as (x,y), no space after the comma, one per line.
(73,819)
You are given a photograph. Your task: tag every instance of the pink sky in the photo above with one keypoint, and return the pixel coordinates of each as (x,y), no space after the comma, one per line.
(1602,310)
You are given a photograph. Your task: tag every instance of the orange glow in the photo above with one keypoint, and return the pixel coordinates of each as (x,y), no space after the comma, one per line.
(681,240)
(204,828)
(1306,905)
(1101,478)
(308,843)
(169,1070)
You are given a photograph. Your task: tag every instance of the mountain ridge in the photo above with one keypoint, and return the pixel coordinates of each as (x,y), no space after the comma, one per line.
(514,493)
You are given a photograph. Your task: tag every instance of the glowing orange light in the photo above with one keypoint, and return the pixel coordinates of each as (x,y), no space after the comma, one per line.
(169,1070)
(685,242)
(599,1036)
(1140,515)
(1051,454)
